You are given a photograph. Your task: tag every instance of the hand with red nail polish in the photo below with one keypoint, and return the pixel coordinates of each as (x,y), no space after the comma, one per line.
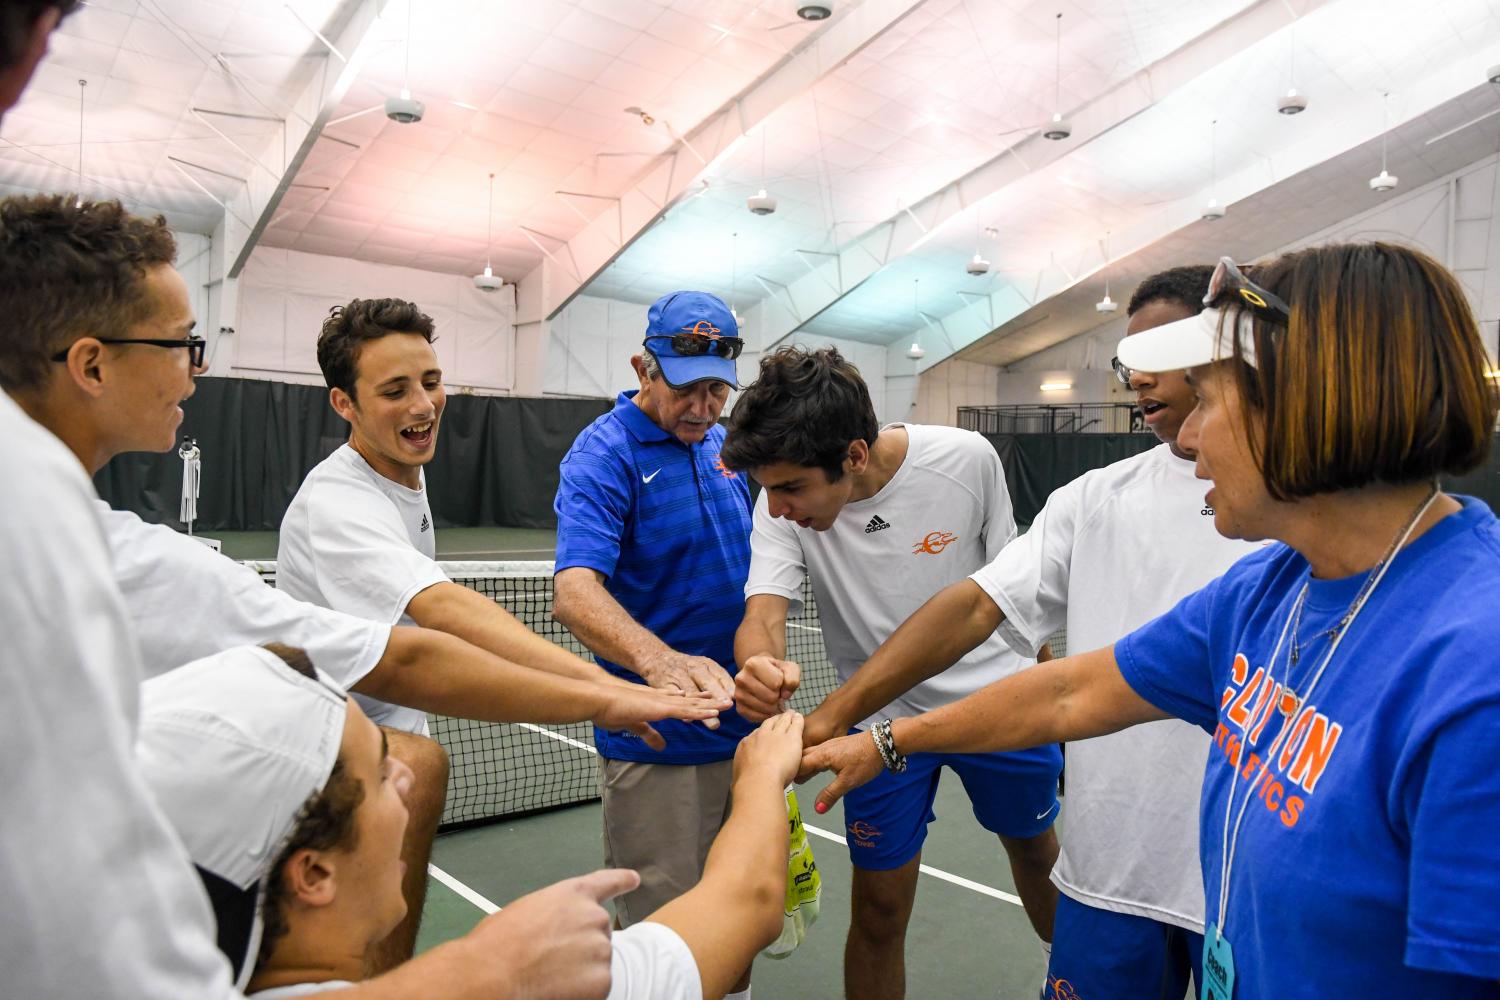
(853,759)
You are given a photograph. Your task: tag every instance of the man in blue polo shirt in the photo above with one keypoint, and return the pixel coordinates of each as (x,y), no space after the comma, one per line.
(653,549)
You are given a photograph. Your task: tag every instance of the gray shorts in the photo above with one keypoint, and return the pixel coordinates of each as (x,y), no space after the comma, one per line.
(661,819)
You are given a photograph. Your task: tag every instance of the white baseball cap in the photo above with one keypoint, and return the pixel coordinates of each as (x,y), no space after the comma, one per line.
(1187,343)
(232,746)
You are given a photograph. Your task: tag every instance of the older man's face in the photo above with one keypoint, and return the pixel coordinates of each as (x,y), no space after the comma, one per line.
(686,413)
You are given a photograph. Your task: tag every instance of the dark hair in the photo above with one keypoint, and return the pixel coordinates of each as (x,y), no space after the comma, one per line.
(347,328)
(1380,376)
(806,408)
(17,17)
(326,823)
(1184,285)
(67,271)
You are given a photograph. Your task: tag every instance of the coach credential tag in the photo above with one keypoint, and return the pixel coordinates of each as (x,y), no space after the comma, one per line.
(1218,966)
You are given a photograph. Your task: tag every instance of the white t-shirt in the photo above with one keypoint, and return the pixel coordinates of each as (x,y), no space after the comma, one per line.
(647,962)
(652,962)
(187,602)
(101,900)
(354,541)
(299,990)
(943,515)
(1110,551)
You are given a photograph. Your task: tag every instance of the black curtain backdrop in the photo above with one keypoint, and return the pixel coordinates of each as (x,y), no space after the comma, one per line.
(496,459)
(1037,464)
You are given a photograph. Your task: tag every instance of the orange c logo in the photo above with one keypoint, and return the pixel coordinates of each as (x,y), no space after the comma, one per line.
(702,328)
(935,542)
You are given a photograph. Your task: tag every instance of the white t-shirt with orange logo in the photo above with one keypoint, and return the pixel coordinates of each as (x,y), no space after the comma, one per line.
(943,515)
(1110,551)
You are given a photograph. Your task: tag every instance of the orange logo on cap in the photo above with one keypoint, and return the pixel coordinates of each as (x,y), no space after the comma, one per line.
(935,542)
(1060,989)
(703,328)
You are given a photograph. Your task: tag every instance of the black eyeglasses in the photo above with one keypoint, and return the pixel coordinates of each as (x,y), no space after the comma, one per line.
(693,345)
(1229,286)
(196,347)
(1121,372)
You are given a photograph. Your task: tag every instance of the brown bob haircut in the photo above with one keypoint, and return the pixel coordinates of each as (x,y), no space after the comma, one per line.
(69,271)
(349,327)
(806,408)
(1379,378)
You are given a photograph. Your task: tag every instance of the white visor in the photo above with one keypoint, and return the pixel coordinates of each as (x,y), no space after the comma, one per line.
(232,746)
(1188,343)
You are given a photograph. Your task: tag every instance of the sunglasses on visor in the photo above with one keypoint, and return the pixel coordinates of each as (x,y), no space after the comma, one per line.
(1229,286)
(693,345)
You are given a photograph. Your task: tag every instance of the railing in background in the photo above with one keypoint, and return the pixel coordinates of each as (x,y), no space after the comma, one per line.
(1059,418)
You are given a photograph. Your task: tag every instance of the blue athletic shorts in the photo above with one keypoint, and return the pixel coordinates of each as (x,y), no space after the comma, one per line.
(1098,954)
(1013,795)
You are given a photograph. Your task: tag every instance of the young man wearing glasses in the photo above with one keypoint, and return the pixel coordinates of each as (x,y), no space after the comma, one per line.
(653,547)
(1110,551)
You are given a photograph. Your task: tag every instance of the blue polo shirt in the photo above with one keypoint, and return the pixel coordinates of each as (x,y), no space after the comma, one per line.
(669,527)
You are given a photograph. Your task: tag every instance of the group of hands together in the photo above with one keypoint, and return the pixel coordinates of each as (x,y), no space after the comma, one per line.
(554,944)
(696,688)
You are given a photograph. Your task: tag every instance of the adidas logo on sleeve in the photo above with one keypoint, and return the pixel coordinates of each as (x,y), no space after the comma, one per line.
(877,523)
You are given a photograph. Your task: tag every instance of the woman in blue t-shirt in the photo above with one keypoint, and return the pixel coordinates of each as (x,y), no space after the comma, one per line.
(1347,676)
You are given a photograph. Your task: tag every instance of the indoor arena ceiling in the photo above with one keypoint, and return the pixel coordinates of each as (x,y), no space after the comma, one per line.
(899,139)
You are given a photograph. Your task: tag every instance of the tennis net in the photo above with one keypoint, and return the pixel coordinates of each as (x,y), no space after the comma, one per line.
(499,770)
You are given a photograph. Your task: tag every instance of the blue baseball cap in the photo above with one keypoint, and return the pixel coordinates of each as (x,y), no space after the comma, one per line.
(696,313)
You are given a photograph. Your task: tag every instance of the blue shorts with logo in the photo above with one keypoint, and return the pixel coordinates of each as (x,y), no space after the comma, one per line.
(1012,794)
(1098,954)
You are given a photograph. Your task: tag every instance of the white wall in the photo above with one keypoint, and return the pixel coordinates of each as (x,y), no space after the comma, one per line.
(1452,219)
(284,296)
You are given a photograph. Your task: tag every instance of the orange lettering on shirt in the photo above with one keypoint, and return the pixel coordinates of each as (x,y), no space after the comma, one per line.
(1322,738)
(1292,812)
(1264,706)
(1240,668)
(1238,713)
(1271,793)
(1299,729)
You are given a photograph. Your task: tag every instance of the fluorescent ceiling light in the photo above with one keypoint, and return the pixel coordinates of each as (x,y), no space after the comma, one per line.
(1056,386)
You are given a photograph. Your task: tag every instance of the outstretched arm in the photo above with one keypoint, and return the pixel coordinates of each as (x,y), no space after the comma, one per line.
(954,621)
(600,623)
(1073,698)
(736,909)
(436,672)
(455,609)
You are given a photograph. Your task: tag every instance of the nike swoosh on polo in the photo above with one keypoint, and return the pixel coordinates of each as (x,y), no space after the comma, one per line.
(647,479)
(1043,815)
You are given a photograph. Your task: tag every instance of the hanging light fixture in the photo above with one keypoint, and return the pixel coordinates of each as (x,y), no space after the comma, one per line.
(1106,304)
(489,281)
(761,203)
(81,84)
(1292,102)
(915,351)
(1213,210)
(978,265)
(734,274)
(1385,180)
(1059,127)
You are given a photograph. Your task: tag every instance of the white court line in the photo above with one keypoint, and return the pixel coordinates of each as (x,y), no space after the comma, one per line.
(504,554)
(937,873)
(928,870)
(461,889)
(805,628)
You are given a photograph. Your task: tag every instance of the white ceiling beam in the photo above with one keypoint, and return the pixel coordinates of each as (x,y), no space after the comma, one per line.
(1010,311)
(913,225)
(351,36)
(678,171)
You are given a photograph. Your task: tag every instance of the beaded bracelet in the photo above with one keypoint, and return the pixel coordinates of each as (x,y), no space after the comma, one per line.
(885,744)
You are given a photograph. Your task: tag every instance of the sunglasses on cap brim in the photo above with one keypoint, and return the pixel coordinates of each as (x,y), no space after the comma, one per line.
(693,345)
(1230,287)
